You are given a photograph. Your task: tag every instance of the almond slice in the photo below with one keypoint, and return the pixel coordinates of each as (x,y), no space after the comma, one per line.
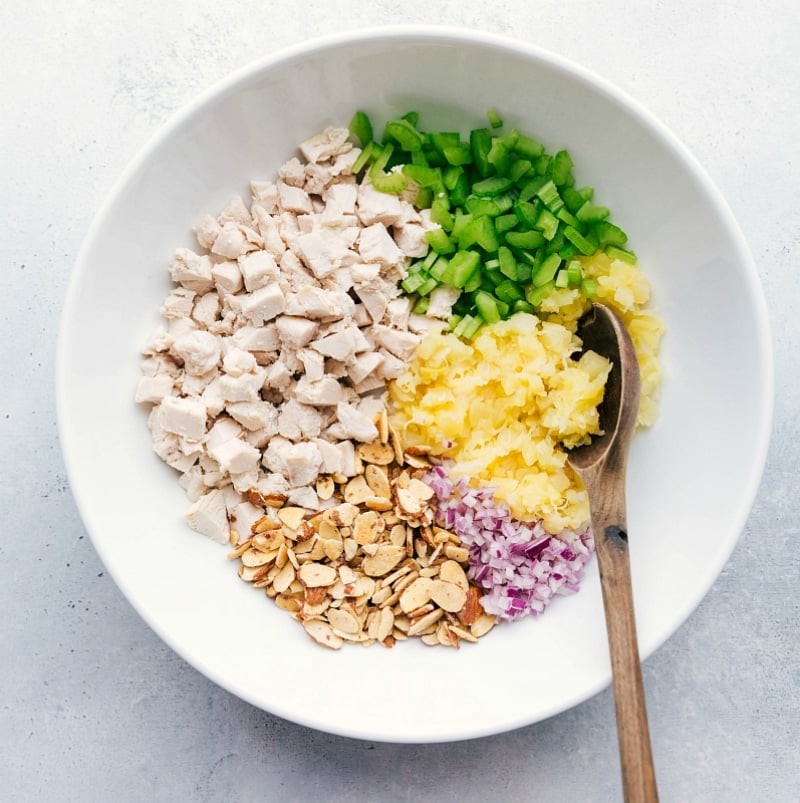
(292,517)
(323,634)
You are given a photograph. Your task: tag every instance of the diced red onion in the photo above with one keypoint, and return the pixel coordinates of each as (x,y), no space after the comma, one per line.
(519,565)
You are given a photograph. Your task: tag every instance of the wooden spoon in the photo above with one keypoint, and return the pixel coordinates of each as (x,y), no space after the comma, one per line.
(601,466)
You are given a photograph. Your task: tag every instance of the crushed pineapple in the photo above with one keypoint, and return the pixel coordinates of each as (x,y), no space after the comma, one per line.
(504,406)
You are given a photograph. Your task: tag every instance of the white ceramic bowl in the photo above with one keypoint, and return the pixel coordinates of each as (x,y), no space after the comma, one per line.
(693,477)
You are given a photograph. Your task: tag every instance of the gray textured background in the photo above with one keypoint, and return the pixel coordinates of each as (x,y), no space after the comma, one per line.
(94,705)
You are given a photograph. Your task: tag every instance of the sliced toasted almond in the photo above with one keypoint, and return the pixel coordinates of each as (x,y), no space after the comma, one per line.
(333,548)
(274,500)
(284,578)
(457,553)
(448,596)
(386,624)
(421,490)
(329,531)
(350,548)
(315,575)
(342,515)
(451,572)
(397,444)
(382,423)
(378,503)
(315,611)
(416,594)
(322,633)
(383,561)
(397,535)
(343,620)
(264,524)
(255,557)
(407,503)
(268,540)
(313,595)
(233,537)
(472,609)
(482,625)
(415,461)
(462,633)
(367,527)
(356,492)
(250,573)
(376,452)
(325,488)
(423,623)
(289,603)
(292,517)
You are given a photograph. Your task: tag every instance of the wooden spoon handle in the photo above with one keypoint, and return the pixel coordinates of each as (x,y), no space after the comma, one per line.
(611,543)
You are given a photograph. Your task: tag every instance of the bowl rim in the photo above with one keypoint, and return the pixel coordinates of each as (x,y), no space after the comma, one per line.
(431,34)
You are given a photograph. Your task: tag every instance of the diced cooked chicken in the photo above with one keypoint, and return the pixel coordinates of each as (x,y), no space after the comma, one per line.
(324,392)
(313,364)
(324,250)
(265,195)
(227,276)
(269,230)
(238,361)
(184,417)
(224,429)
(259,416)
(243,515)
(264,304)
(302,462)
(410,239)
(195,384)
(207,230)
(401,344)
(362,365)
(191,270)
(340,206)
(338,457)
(398,310)
(244,387)
(278,377)
(209,516)
(380,207)
(235,212)
(258,269)
(355,424)
(293,172)
(153,389)
(373,299)
(441,301)
(281,337)
(257,338)
(295,332)
(232,241)
(206,309)
(272,484)
(315,302)
(199,350)
(376,245)
(391,367)
(192,481)
(297,421)
(236,456)
(342,345)
(179,303)
(326,145)
(294,199)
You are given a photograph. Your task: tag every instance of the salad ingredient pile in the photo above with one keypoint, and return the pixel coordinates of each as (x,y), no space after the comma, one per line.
(367,377)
